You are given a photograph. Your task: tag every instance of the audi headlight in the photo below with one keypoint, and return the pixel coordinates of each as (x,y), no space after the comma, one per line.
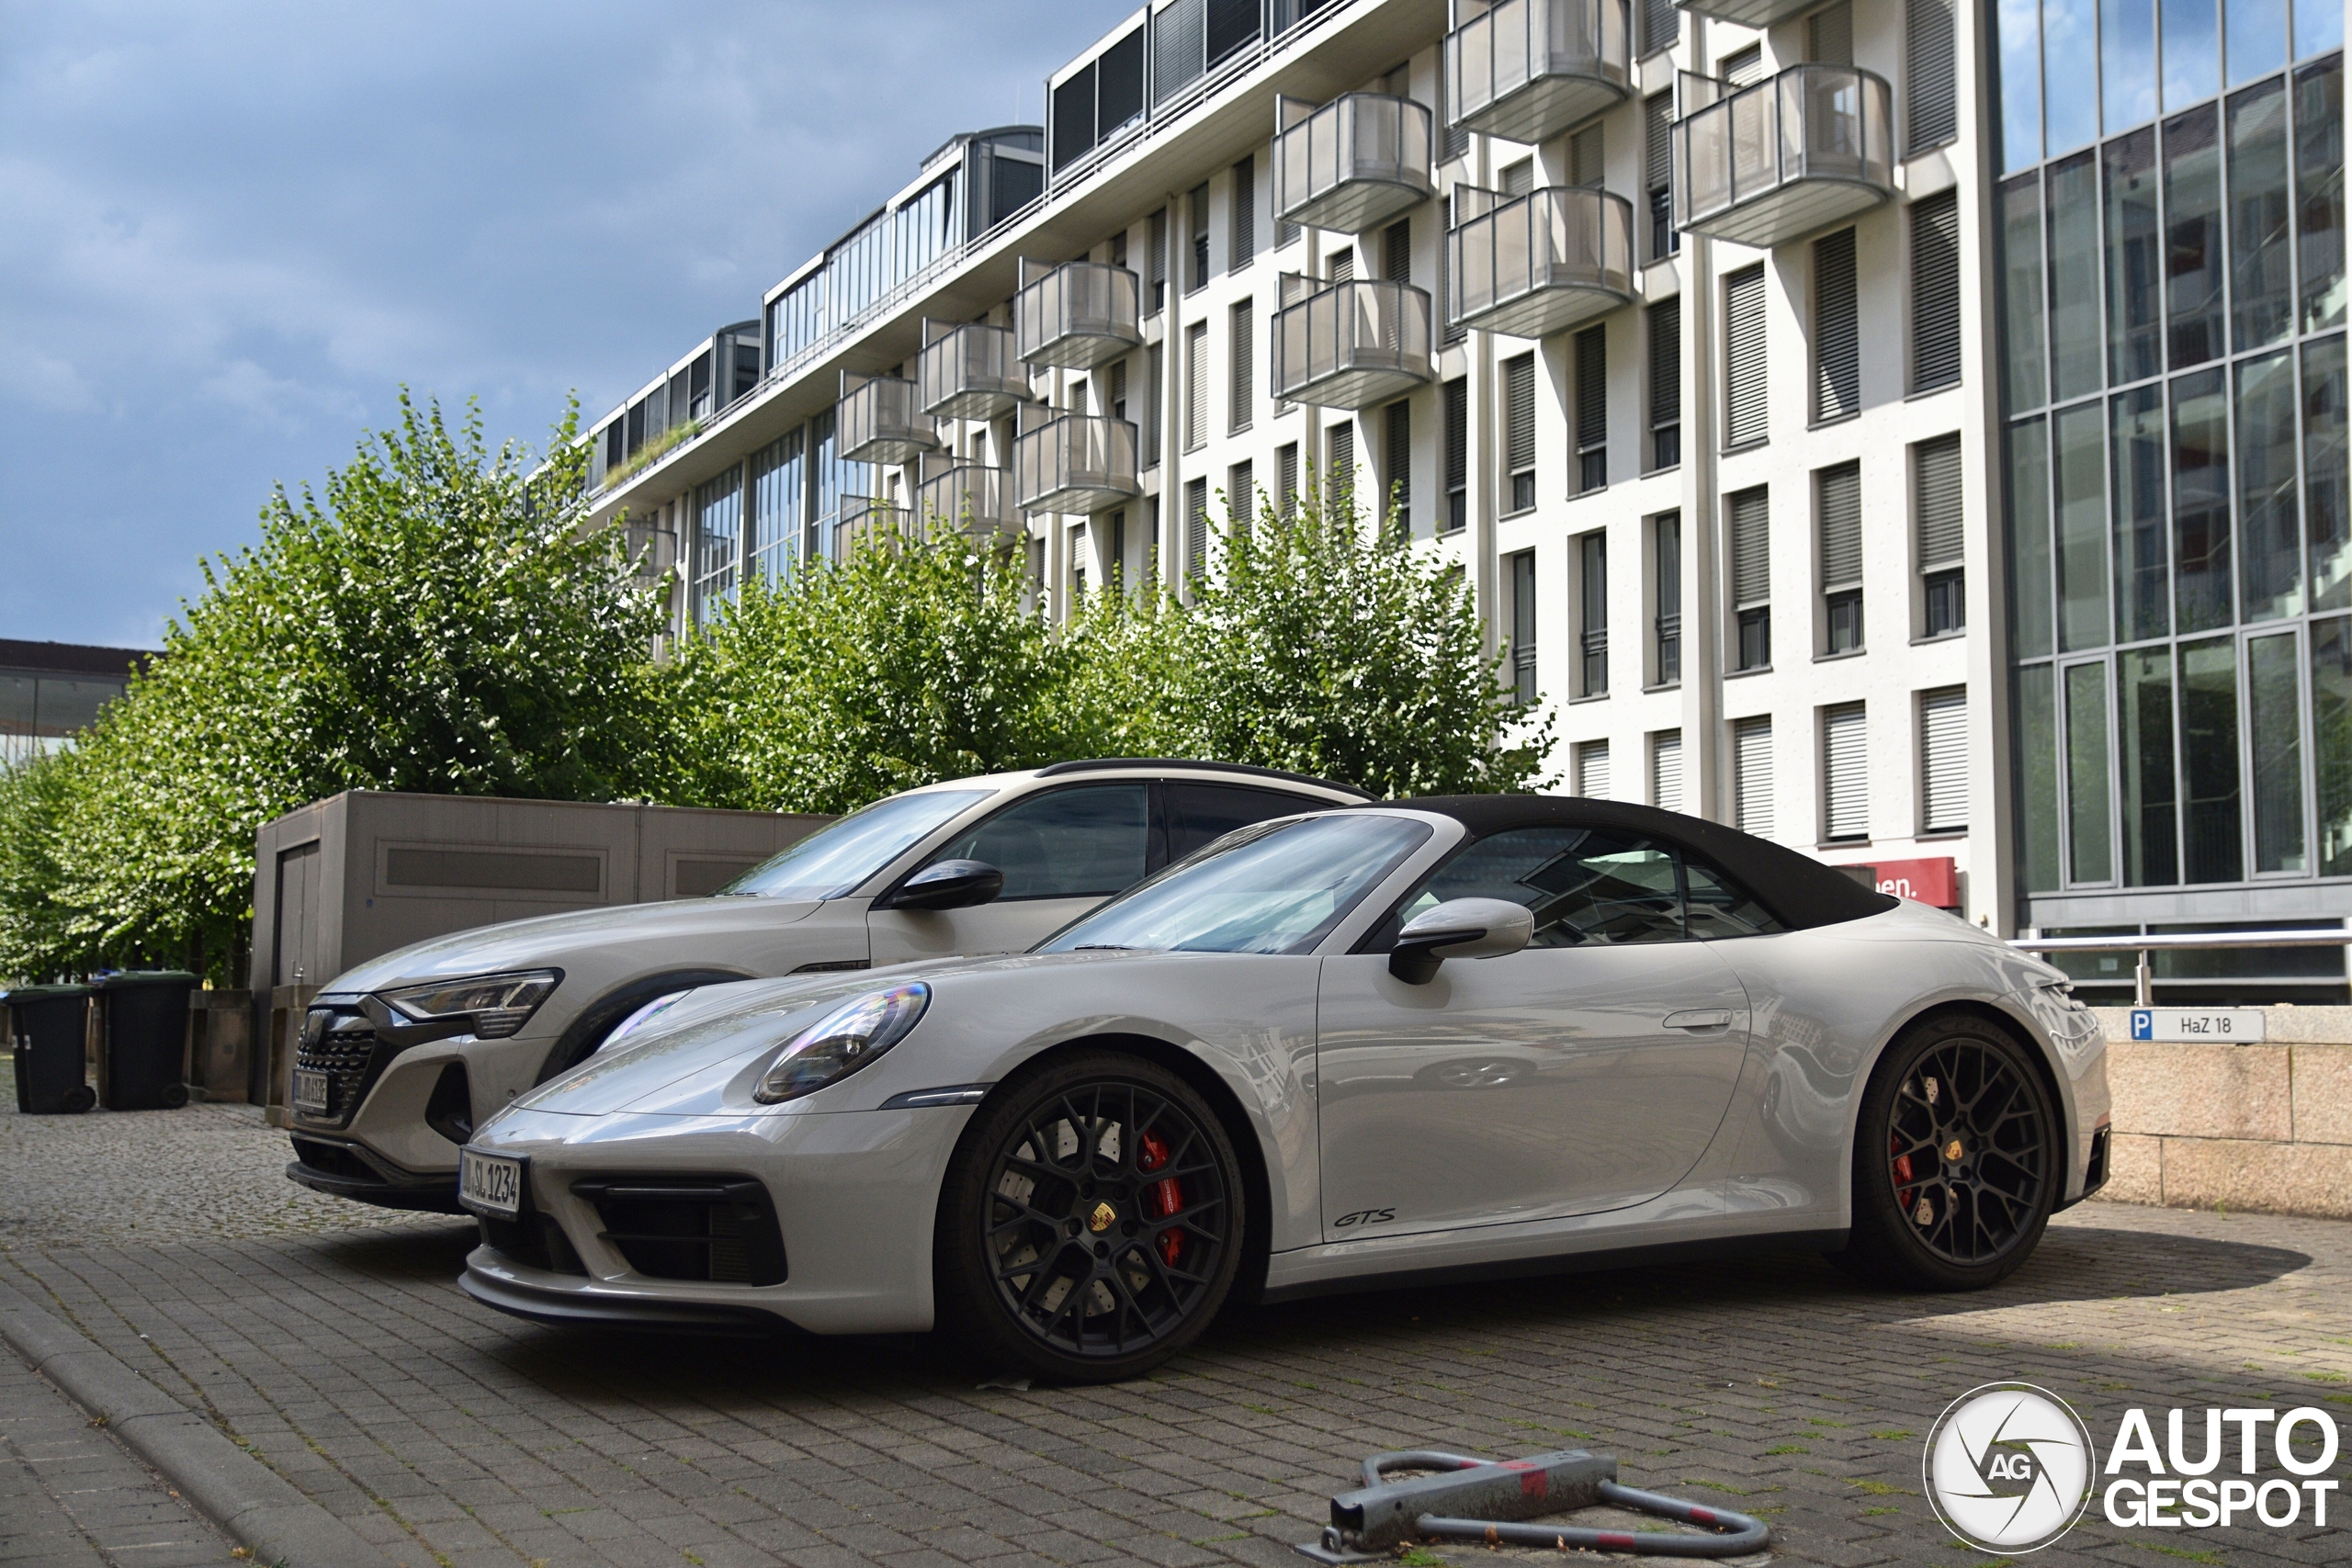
(489,1007)
(842,1042)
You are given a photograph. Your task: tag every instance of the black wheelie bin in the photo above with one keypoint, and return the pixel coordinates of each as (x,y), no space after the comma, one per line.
(143,1057)
(47,1025)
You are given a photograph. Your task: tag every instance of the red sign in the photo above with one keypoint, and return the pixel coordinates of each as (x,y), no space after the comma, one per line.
(1931,881)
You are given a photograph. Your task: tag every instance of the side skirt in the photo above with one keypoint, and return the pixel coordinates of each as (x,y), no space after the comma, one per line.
(1714,1249)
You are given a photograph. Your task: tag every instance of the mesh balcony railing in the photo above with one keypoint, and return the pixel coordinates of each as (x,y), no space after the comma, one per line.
(865,519)
(1078,315)
(969,496)
(879,420)
(1360,159)
(1532,264)
(1774,162)
(1078,464)
(969,372)
(1350,344)
(1527,70)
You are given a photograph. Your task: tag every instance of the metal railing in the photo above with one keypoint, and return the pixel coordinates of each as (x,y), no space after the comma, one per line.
(970,372)
(1077,464)
(1831,124)
(1358,159)
(878,420)
(1351,343)
(1078,315)
(2144,977)
(1529,69)
(1531,264)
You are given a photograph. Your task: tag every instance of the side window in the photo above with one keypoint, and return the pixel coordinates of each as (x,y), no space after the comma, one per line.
(1583,884)
(1722,908)
(1071,843)
(1200,814)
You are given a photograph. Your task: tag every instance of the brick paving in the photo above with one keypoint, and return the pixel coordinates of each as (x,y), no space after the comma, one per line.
(349,1360)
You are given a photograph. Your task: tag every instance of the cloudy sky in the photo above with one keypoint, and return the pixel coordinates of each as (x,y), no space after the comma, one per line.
(234,230)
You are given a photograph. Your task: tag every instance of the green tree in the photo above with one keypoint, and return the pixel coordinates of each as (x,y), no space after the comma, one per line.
(440,621)
(1325,645)
(36,936)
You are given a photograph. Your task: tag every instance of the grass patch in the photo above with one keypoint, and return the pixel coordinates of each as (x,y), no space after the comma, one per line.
(1893,1434)
(1879,1488)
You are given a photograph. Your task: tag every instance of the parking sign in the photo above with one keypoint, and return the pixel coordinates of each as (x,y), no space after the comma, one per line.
(2143,1024)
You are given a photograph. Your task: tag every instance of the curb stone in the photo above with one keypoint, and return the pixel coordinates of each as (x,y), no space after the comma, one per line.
(258,1507)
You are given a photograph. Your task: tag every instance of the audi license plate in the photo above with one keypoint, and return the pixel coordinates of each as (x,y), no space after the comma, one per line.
(488,1185)
(314,1091)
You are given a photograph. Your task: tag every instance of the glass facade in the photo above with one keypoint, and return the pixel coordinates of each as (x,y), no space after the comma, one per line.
(2172,331)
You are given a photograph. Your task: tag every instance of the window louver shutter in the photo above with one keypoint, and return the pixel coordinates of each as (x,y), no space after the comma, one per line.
(1196,526)
(1396,251)
(1751,548)
(1745,416)
(1935,467)
(1930,52)
(1751,772)
(1585,164)
(1196,386)
(1177,42)
(1245,211)
(1943,760)
(1666,363)
(1457,453)
(1845,765)
(1836,330)
(1155,376)
(1830,35)
(1343,264)
(1244,366)
(1935,291)
(1665,770)
(1657,176)
(1286,480)
(1241,493)
(1592,388)
(1397,441)
(1839,503)
(1592,769)
(1519,413)
(1661,25)
(1745,68)
(1342,484)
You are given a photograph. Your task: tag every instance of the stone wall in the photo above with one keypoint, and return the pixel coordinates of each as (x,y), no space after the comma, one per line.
(2266,1128)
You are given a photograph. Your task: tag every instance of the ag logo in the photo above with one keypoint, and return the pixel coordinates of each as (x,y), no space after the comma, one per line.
(2008,1468)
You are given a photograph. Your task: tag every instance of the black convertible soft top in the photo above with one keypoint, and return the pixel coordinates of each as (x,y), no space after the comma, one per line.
(1800,891)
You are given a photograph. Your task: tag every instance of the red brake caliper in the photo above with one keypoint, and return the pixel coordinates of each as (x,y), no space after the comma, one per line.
(1163,1197)
(1902,1173)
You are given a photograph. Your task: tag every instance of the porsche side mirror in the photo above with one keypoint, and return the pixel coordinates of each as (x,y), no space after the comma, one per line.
(948,885)
(1459,927)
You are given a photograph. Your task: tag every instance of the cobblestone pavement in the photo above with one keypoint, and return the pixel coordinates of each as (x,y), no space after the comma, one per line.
(351,1363)
(70,1496)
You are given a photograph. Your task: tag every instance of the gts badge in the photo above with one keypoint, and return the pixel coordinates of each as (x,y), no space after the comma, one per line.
(1364,1217)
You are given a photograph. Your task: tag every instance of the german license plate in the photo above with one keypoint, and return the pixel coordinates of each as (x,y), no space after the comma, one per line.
(488,1185)
(314,1091)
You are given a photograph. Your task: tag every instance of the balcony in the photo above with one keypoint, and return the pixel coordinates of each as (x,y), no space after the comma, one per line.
(1527,70)
(1530,265)
(1357,161)
(969,372)
(1077,464)
(1793,153)
(866,520)
(1076,316)
(879,420)
(971,496)
(1350,344)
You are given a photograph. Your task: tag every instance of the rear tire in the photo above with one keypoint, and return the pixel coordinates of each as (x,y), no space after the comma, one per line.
(1091,1221)
(1956,1168)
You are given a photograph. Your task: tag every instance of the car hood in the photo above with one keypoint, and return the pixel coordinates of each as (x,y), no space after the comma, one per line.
(547,940)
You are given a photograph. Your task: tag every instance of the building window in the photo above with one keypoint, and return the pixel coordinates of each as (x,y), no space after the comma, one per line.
(1519,178)
(1523,627)
(1660,22)
(1665,567)
(1196,526)
(717,541)
(1930,80)
(1197,274)
(1838,508)
(1518,430)
(1666,383)
(1845,774)
(1751,776)
(1243,396)
(1397,444)
(1157,260)
(1836,330)
(1935,292)
(1592,769)
(1937,518)
(1116,403)
(1196,386)
(1592,614)
(1340,472)
(1592,348)
(1658,176)
(1286,480)
(1240,494)
(1746,376)
(1751,576)
(1830,34)
(1457,455)
(1943,760)
(1155,361)
(1665,770)
(1242,228)
(1396,251)
(1340,265)
(1588,169)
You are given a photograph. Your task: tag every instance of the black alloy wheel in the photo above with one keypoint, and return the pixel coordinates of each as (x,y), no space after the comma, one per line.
(1956,1167)
(1091,1221)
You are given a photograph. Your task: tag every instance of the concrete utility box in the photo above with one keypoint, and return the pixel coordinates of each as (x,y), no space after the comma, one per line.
(341,880)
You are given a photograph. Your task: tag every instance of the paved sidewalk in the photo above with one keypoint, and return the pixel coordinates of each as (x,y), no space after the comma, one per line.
(70,1497)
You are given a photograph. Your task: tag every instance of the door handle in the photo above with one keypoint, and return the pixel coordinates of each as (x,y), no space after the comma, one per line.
(1702,1018)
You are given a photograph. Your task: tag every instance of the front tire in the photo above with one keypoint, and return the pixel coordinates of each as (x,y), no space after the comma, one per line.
(1956,1168)
(1091,1221)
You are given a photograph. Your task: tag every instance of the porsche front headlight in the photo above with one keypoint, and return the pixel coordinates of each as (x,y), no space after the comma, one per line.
(489,1007)
(842,1042)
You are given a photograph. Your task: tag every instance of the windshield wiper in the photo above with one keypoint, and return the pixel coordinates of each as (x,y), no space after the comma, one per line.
(1102,947)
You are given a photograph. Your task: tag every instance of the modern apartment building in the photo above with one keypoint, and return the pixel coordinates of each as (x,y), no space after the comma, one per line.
(50,690)
(1822,410)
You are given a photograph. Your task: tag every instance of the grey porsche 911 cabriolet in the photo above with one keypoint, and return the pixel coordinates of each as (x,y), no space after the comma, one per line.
(1446,1038)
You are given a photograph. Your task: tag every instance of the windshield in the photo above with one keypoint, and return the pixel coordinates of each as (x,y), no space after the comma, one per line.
(835,858)
(1278,887)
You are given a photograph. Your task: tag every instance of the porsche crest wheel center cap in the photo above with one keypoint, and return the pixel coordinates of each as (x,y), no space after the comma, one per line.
(1952,1151)
(1102,1218)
